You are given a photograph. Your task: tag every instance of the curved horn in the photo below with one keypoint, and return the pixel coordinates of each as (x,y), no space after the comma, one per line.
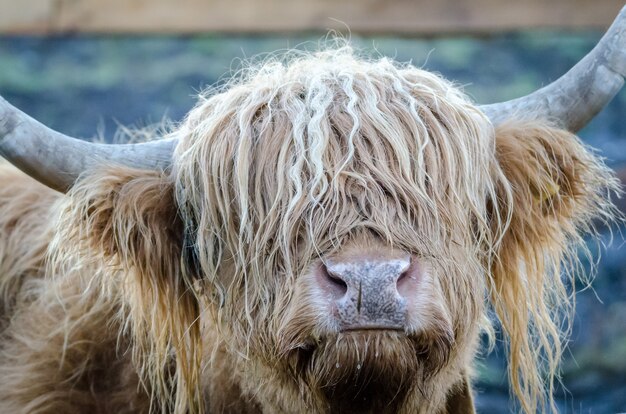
(57,160)
(576,97)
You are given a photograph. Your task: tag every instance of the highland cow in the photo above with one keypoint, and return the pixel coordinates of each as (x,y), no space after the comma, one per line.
(325,233)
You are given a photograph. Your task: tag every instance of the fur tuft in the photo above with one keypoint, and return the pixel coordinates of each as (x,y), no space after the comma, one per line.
(126,222)
(553,191)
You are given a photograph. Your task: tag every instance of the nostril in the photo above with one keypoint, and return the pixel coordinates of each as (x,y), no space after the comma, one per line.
(403,276)
(403,284)
(408,280)
(333,282)
(337,281)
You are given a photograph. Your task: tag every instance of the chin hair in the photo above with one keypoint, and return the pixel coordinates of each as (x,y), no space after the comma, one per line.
(370,371)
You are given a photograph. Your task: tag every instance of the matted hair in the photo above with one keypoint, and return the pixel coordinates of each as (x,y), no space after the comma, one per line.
(294,156)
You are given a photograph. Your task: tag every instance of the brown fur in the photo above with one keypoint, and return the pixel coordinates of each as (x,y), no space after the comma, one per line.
(62,351)
(557,192)
(24,235)
(190,291)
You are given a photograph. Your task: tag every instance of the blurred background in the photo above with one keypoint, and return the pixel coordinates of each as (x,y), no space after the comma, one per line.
(89,67)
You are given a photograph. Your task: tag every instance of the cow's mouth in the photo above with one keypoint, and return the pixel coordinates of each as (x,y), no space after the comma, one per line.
(373,327)
(369,368)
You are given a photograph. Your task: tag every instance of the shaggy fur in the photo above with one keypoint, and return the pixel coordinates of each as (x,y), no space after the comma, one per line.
(191,291)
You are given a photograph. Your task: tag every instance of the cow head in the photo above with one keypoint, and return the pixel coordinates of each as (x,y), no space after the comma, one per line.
(342,227)
(339,206)
(354,215)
